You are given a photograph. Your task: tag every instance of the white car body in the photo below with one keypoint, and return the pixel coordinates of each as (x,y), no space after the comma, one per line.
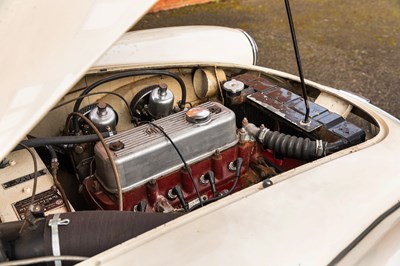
(200,44)
(295,221)
(92,26)
(307,217)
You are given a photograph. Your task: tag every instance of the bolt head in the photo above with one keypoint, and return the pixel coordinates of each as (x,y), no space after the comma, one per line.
(116,145)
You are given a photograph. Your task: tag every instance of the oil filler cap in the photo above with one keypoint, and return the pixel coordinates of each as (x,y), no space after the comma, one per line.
(198,115)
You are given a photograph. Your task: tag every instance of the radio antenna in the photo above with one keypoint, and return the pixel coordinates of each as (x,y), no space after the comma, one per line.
(298,60)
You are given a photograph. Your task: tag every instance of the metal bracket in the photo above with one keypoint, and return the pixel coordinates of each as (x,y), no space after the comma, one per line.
(262,134)
(55,240)
(319,148)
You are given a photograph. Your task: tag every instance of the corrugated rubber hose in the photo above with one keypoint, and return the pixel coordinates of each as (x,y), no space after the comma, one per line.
(292,146)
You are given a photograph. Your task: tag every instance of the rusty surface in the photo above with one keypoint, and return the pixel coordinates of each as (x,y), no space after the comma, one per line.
(280,101)
(239,99)
(255,82)
(246,78)
(281,95)
(262,171)
(282,110)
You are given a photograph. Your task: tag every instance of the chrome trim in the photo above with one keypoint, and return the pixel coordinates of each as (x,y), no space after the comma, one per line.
(254,46)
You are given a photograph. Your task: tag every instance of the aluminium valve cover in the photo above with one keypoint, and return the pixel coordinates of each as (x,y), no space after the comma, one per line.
(147,154)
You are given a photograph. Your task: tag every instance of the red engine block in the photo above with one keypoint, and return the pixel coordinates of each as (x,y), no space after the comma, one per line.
(154,194)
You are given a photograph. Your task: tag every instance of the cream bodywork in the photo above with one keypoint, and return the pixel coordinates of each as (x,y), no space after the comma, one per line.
(380,246)
(306,220)
(200,44)
(46,46)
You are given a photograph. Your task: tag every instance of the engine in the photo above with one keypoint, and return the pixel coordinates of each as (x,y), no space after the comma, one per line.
(143,153)
(152,169)
(180,159)
(160,145)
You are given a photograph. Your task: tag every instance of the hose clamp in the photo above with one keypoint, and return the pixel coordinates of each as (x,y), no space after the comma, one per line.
(262,134)
(319,148)
(55,240)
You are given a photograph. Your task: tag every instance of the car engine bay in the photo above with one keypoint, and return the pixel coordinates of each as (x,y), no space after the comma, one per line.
(126,146)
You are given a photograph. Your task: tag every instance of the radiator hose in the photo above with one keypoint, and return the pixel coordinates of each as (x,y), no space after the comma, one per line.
(292,146)
(87,233)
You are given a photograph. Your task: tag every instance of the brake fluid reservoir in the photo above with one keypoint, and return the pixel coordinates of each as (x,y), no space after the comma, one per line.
(161,101)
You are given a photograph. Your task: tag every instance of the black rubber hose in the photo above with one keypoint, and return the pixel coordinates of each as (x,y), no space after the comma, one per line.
(52,153)
(87,234)
(10,231)
(291,146)
(336,146)
(301,148)
(130,74)
(60,140)
(287,145)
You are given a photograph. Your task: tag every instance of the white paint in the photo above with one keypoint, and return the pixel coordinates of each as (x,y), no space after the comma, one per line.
(46,46)
(201,44)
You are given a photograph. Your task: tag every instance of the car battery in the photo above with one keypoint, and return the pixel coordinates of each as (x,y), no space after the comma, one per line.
(289,108)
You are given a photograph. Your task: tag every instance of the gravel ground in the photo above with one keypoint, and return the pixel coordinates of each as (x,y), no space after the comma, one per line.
(352,45)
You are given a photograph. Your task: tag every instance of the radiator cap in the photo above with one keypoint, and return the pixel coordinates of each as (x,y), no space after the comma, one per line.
(198,115)
(234,86)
